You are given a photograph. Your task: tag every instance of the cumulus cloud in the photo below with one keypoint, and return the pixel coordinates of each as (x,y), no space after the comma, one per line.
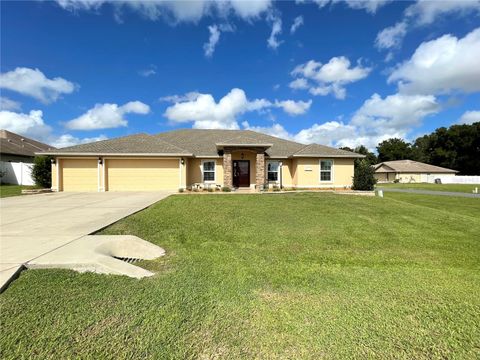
(28,124)
(422,13)
(297,22)
(370,6)
(70,140)
(32,82)
(441,66)
(274,130)
(276,23)
(105,116)
(173,11)
(328,78)
(9,104)
(293,108)
(425,12)
(470,117)
(391,37)
(205,113)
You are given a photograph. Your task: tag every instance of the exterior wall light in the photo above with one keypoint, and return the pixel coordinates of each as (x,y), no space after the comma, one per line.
(100,161)
(52,161)
(182,161)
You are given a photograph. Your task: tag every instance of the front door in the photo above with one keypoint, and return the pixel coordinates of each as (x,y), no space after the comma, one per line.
(241,173)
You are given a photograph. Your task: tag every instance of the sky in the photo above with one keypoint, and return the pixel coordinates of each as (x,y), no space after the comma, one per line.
(338,73)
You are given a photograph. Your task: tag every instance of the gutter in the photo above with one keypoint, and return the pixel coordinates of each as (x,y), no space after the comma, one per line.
(108,154)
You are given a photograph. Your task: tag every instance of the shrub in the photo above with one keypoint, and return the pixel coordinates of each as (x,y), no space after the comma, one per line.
(181,190)
(226,189)
(210,189)
(363,178)
(396,181)
(42,171)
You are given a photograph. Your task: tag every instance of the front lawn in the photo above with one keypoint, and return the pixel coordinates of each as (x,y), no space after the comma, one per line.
(7,190)
(281,276)
(465,188)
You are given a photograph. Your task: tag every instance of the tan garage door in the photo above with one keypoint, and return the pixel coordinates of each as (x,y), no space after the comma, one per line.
(142,174)
(80,174)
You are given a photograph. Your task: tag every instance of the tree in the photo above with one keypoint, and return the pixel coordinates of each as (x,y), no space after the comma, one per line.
(370,157)
(363,176)
(394,149)
(42,171)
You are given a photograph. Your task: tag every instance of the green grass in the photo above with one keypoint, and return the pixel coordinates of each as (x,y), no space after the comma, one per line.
(292,276)
(465,188)
(7,190)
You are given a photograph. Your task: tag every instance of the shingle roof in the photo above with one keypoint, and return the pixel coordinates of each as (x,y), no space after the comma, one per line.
(202,142)
(410,166)
(313,149)
(14,144)
(132,144)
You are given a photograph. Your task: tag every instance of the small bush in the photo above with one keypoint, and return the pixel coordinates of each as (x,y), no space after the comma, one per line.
(42,171)
(396,181)
(363,178)
(210,189)
(181,190)
(226,189)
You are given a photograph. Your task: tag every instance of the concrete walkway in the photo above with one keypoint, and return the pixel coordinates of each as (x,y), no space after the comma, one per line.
(430,192)
(34,225)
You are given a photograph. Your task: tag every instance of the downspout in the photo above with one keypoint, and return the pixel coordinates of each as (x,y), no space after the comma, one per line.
(281,173)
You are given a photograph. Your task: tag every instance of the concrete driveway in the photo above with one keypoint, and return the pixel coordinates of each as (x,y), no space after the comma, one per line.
(34,225)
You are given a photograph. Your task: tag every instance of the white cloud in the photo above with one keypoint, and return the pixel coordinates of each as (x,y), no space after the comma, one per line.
(174,11)
(70,140)
(370,6)
(470,117)
(441,66)
(32,82)
(276,22)
(190,96)
(330,77)
(209,47)
(206,113)
(150,71)
(426,12)
(297,22)
(293,108)
(33,126)
(9,104)
(274,130)
(391,37)
(105,116)
(299,83)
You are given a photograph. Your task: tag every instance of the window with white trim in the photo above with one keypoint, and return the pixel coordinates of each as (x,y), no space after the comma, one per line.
(326,167)
(208,170)
(273,171)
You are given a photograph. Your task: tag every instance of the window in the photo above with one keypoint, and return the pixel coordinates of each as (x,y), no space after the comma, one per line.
(326,170)
(208,170)
(272,170)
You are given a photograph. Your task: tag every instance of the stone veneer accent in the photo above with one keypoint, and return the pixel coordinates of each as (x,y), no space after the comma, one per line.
(260,171)
(227,170)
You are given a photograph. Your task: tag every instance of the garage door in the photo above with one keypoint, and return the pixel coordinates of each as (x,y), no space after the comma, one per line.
(142,174)
(80,174)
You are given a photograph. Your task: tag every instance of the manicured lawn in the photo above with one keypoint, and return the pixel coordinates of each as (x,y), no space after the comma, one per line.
(465,188)
(7,190)
(293,276)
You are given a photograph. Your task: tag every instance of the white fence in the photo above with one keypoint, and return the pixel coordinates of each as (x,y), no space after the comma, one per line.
(17,173)
(452,179)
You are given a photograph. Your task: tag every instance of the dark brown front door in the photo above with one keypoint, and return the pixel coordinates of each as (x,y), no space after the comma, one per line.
(241,173)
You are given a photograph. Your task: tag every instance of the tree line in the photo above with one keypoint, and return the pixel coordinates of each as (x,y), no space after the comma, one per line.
(456,147)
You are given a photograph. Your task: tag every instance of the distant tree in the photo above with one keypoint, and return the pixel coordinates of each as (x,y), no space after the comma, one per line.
(394,149)
(370,157)
(346,148)
(42,171)
(363,178)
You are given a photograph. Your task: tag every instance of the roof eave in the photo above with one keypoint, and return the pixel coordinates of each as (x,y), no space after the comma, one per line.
(329,156)
(243,144)
(110,154)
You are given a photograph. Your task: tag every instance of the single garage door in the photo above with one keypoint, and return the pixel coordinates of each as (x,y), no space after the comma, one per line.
(142,174)
(80,174)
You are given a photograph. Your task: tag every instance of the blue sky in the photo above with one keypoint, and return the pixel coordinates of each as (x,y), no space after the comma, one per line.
(349,72)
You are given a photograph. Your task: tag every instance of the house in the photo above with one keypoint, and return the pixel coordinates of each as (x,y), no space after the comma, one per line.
(16,157)
(409,171)
(199,158)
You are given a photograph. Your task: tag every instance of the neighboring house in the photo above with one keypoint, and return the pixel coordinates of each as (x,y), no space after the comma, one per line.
(409,171)
(199,158)
(16,157)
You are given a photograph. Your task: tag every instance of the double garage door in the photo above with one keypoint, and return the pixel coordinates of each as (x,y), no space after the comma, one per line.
(120,174)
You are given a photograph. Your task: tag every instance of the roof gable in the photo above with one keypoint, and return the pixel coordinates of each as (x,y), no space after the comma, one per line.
(407,166)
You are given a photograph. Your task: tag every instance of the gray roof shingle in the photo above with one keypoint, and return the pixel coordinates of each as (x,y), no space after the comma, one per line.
(203,142)
(407,166)
(14,144)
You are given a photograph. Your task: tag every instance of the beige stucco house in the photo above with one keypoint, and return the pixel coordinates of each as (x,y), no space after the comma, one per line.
(199,158)
(408,171)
